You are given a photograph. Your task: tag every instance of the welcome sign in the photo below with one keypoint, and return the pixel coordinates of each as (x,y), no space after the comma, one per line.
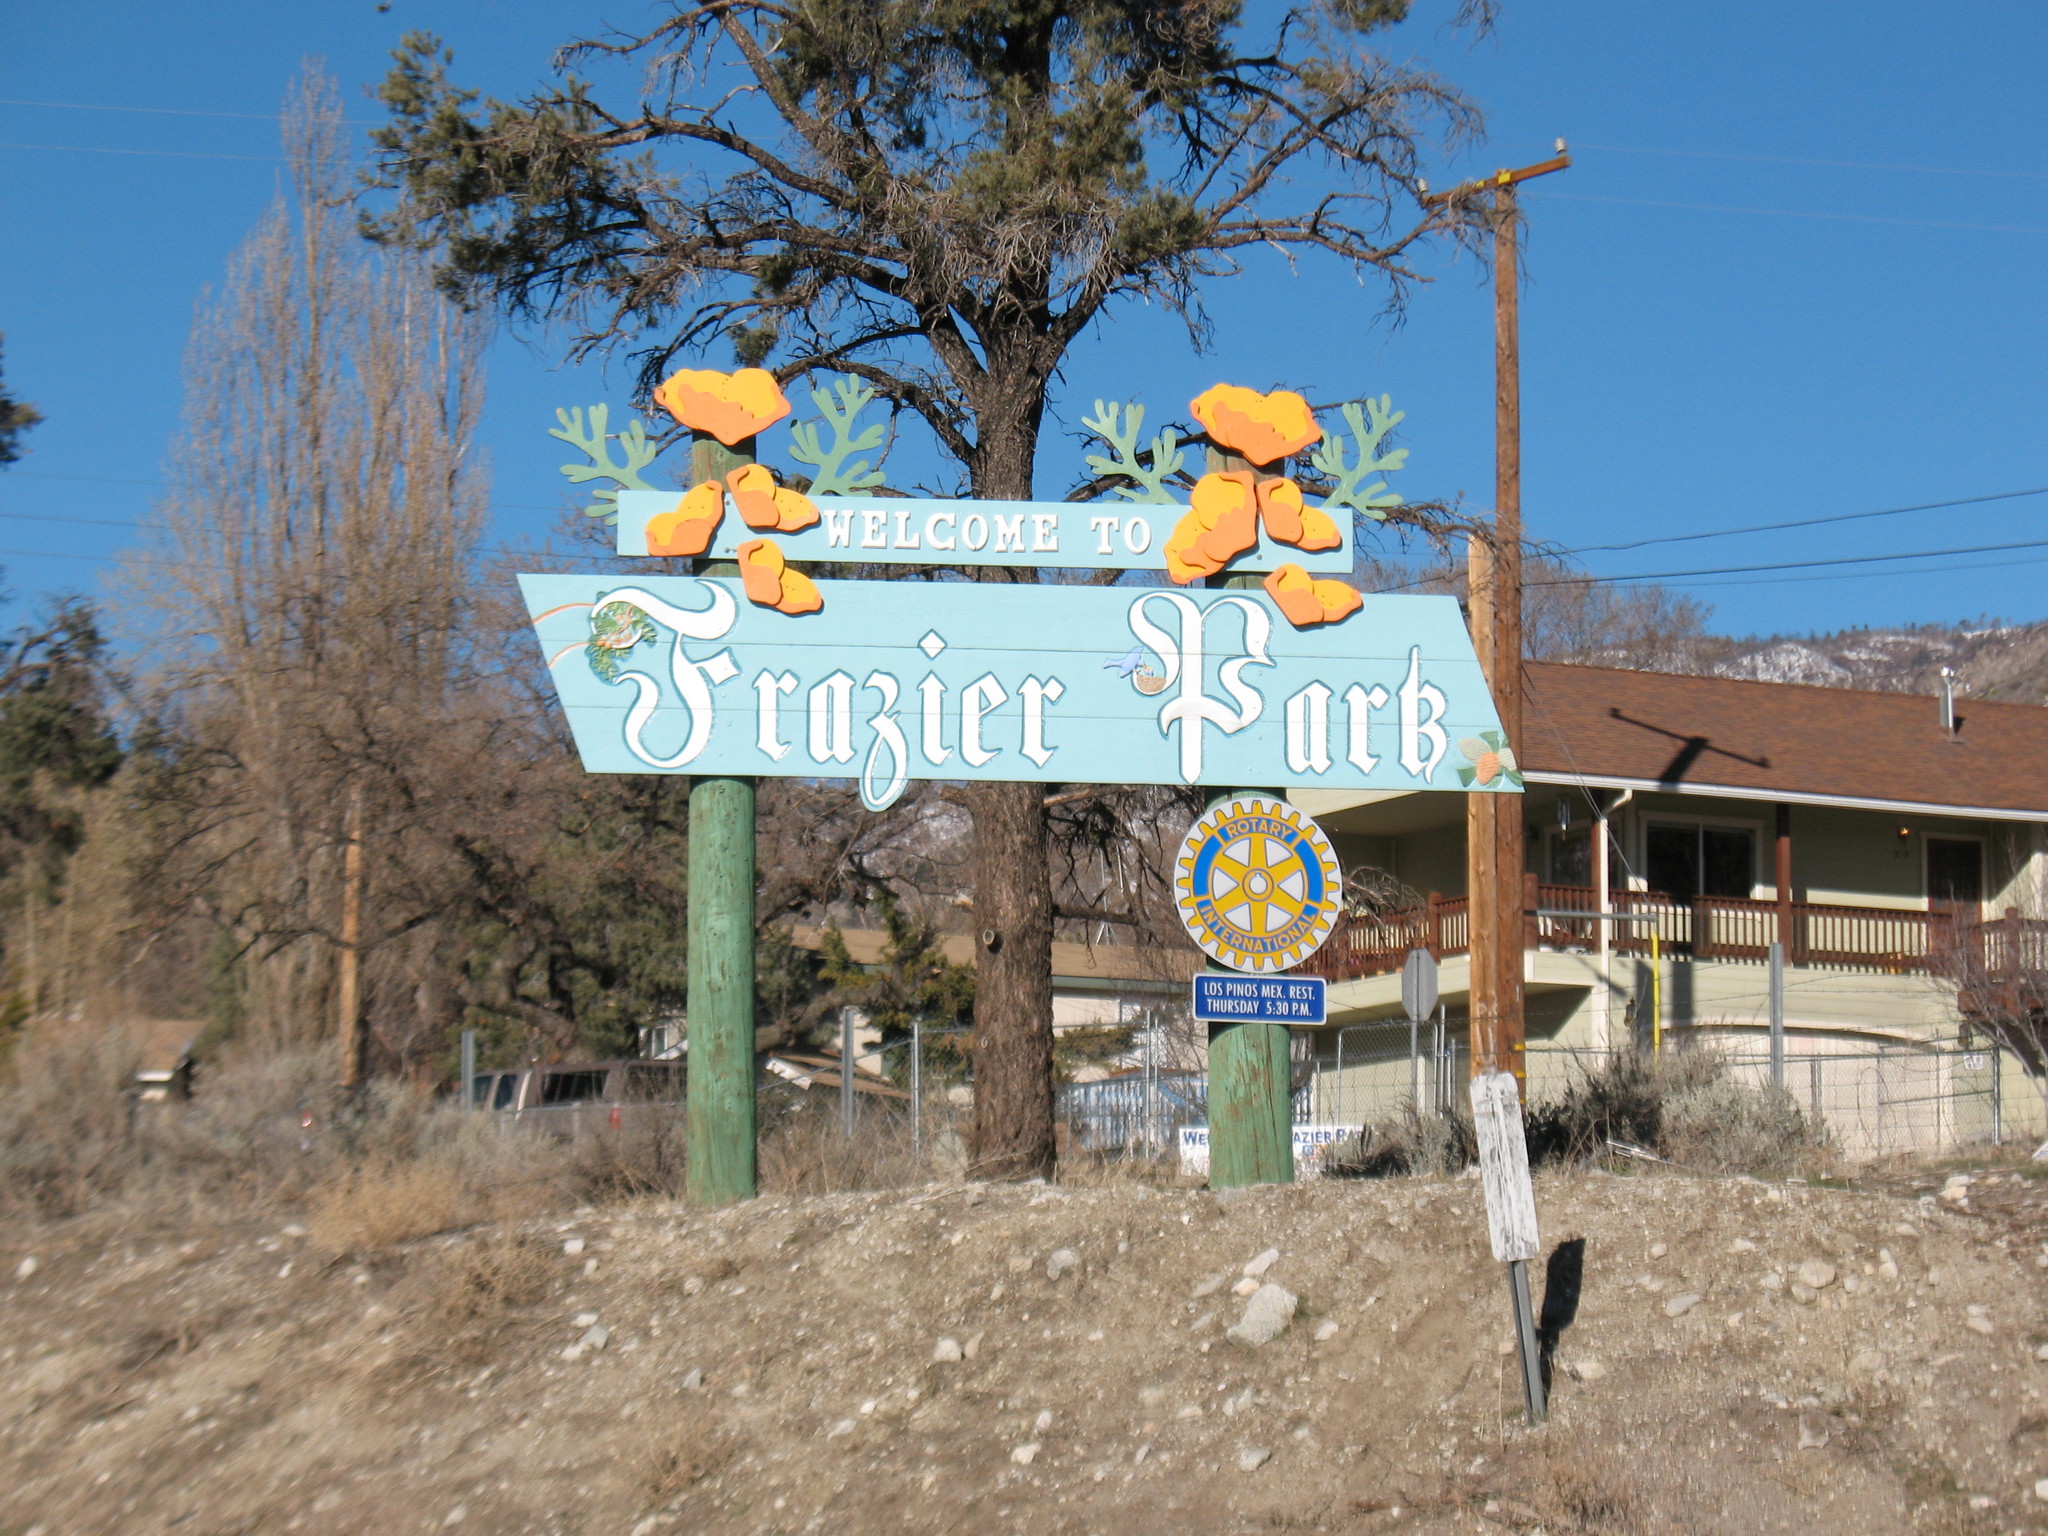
(889,681)
(907,531)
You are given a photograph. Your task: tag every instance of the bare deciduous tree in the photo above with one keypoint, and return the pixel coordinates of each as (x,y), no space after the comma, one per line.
(312,595)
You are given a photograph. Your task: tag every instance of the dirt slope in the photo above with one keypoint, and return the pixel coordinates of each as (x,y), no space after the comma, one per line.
(771,1369)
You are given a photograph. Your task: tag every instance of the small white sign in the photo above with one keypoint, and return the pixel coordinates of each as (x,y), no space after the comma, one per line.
(1504,1167)
(1311,1144)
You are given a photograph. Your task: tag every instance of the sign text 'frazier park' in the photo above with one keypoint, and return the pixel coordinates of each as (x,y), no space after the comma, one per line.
(894,681)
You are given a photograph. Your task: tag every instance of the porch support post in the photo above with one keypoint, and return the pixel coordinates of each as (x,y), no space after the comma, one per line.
(1784,882)
(1603,1002)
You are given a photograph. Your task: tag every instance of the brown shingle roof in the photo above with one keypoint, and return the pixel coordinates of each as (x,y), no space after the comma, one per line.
(1702,732)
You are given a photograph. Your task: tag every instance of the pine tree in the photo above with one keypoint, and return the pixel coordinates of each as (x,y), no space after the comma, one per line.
(939,197)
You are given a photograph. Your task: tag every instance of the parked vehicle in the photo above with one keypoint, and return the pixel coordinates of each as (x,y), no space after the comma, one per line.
(570,1098)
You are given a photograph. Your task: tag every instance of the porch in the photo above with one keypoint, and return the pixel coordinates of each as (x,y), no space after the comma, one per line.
(1881,940)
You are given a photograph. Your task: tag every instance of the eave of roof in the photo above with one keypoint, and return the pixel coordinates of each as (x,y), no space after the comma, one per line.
(1784,742)
(1789,797)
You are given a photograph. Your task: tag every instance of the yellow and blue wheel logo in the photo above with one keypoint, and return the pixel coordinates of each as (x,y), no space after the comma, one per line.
(1257,884)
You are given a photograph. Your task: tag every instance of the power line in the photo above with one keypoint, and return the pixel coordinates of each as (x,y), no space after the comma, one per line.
(1833,165)
(1796,565)
(1807,522)
(1586,579)
(162,154)
(45,474)
(1796,213)
(1932,570)
(80,106)
(93,522)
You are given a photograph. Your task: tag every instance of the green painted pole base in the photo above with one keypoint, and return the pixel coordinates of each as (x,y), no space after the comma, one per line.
(1251,1132)
(1251,1090)
(721,999)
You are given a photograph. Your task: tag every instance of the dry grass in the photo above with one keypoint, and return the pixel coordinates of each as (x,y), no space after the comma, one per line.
(1683,1106)
(382,1205)
(466,1302)
(482,1281)
(1578,1490)
(804,1152)
(648,1155)
(66,1133)
(683,1449)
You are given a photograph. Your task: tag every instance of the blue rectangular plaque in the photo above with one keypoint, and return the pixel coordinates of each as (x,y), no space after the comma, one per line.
(1227,998)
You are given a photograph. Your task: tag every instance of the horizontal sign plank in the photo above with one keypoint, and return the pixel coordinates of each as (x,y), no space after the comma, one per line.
(1098,535)
(895,680)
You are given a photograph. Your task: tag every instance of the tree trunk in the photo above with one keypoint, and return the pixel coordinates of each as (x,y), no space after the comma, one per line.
(1013,1078)
(1013,1119)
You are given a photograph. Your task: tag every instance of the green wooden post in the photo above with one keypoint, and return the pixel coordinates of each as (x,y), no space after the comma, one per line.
(1251,1097)
(721,937)
(721,1080)
(1251,1083)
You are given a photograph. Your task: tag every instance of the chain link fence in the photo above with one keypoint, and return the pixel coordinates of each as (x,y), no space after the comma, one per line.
(1866,1101)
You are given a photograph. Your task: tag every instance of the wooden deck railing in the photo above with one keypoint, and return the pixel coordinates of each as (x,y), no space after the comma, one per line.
(1881,939)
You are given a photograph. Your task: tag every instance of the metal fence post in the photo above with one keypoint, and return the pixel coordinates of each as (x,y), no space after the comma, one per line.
(469,1069)
(1778,1016)
(1813,1089)
(916,1087)
(1997,1095)
(846,1072)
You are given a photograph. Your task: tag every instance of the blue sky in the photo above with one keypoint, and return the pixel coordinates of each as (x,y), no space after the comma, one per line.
(1794,273)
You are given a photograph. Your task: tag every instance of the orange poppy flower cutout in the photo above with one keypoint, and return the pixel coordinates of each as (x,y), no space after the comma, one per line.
(1290,520)
(768,580)
(1306,601)
(1222,522)
(1264,428)
(732,407)
(689,529)
(764,504)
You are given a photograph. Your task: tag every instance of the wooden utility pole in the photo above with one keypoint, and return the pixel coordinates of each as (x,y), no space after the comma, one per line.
(1494,826)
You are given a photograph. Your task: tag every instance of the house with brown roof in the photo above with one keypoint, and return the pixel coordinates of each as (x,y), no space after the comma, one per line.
(1867,833)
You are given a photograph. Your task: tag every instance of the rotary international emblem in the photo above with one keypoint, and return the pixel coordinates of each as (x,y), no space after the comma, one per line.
(1257,884)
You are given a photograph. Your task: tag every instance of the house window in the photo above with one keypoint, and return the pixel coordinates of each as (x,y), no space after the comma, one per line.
(1571,856)
(1955,875)
(1686,859)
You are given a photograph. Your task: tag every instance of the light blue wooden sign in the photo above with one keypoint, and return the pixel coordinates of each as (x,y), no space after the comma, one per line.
(1100,535)
(901,680)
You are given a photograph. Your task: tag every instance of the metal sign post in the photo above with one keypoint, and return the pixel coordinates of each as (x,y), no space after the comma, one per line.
(1418,1001)
(1510,1213)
